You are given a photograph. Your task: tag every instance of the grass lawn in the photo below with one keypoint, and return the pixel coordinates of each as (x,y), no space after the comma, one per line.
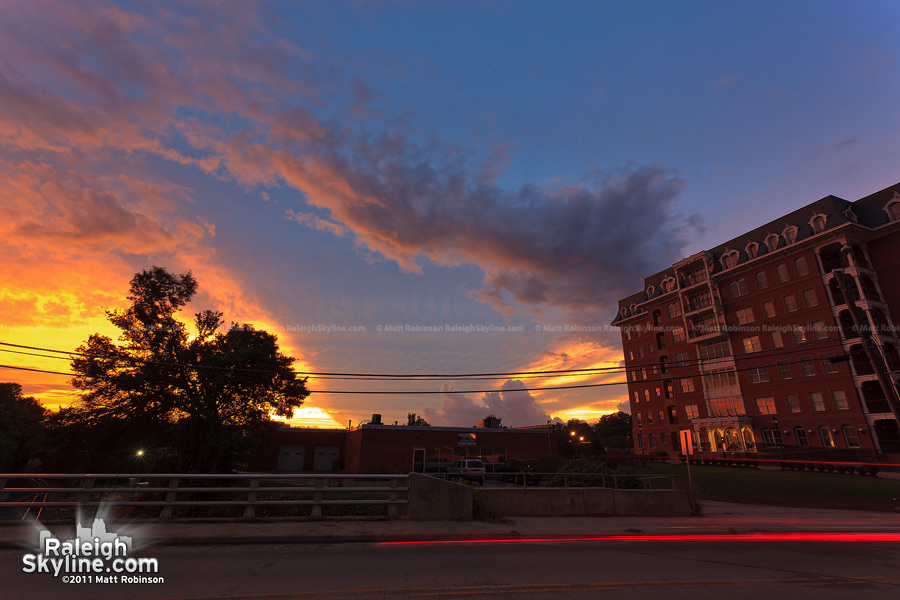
(786,488)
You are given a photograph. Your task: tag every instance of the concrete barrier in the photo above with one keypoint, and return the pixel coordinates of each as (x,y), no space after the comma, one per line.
(558,502)
(433,499)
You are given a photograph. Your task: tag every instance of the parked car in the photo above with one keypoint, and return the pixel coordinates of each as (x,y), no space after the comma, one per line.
(518,470)
(468,468)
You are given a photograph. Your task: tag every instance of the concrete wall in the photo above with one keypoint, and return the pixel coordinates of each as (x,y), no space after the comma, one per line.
(540,502)
(432,499)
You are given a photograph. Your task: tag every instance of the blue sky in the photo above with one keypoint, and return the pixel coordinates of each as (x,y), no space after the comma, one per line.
(367,164)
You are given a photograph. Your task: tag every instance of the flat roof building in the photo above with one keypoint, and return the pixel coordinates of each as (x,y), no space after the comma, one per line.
(743,343)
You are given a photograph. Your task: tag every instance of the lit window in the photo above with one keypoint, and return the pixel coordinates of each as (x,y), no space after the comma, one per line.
(784,370)
(649,418)
(751,344)
(799,334)
(690,411)
(765,406)
(790,303)
(825,437)
(687,384)
(660,415)
(801,267)
(738,288)
(631,355)
(758,374)
(769,308)
(808,366)
(850,436)
(744,315)
(678,334)
(637,397)
(840,399)
(658,391)
(793,402)
(810,298)
(782,273)
(762,280)
(646,395)
(818,403)
(777,340)
(726,407)
(638,418)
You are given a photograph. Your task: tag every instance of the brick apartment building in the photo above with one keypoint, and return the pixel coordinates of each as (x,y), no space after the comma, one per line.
(737,343)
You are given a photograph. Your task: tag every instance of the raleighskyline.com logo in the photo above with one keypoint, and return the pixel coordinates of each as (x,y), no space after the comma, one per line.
(92,556)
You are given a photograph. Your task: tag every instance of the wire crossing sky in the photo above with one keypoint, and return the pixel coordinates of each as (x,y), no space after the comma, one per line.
(418,187)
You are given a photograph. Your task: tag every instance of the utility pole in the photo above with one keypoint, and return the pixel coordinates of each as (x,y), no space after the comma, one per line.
(861,322)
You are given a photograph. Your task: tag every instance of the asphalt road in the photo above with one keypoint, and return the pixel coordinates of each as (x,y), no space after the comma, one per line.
(677,569)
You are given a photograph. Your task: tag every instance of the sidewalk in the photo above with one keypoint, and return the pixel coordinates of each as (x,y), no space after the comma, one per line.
(718,518)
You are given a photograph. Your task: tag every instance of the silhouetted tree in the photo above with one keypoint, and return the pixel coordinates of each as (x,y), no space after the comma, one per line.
(197,400)
(414,420)
(21,422)
(614,430)
(491,422)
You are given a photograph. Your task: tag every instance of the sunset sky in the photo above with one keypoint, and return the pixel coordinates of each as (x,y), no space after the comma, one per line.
(417,187)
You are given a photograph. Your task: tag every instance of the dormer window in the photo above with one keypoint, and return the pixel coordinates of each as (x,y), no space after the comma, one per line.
(730,259)
(752,249)
(790,235)
(772,242)
(650,291)
(633,306)
(892,208)
(818,223)
(668,284)
(623,311)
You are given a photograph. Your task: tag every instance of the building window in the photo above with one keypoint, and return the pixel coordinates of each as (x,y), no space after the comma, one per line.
(802,439)
(637,397)
(771,437)
(777,341)
(801,267)
(658,391)
(660,416)
(818,329)
(758,374)
(790,235)
(673,310)
(651,440)
(790,303)
(752,249)
(808,366)
(638,418)
(714,350)
(681,359)
(850,436)
(784,370)
(751,344)
(731,406)
(690,411)
(799,334)
(649,417)
(687,385)
(673,415)
(781,273)
(818,223)
(678,334)
(830,367)
(769,308)
(719,378)
(729,260)
(772,242)
(744,315)
(662,439)
(640,351)
(793,402)
(738,288)
(840,399)
(825,437)
(646,395)
(765,406)
(818,403)
(810,298)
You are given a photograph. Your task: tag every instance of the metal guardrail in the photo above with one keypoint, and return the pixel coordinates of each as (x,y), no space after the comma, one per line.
(606,480)
(145,489)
